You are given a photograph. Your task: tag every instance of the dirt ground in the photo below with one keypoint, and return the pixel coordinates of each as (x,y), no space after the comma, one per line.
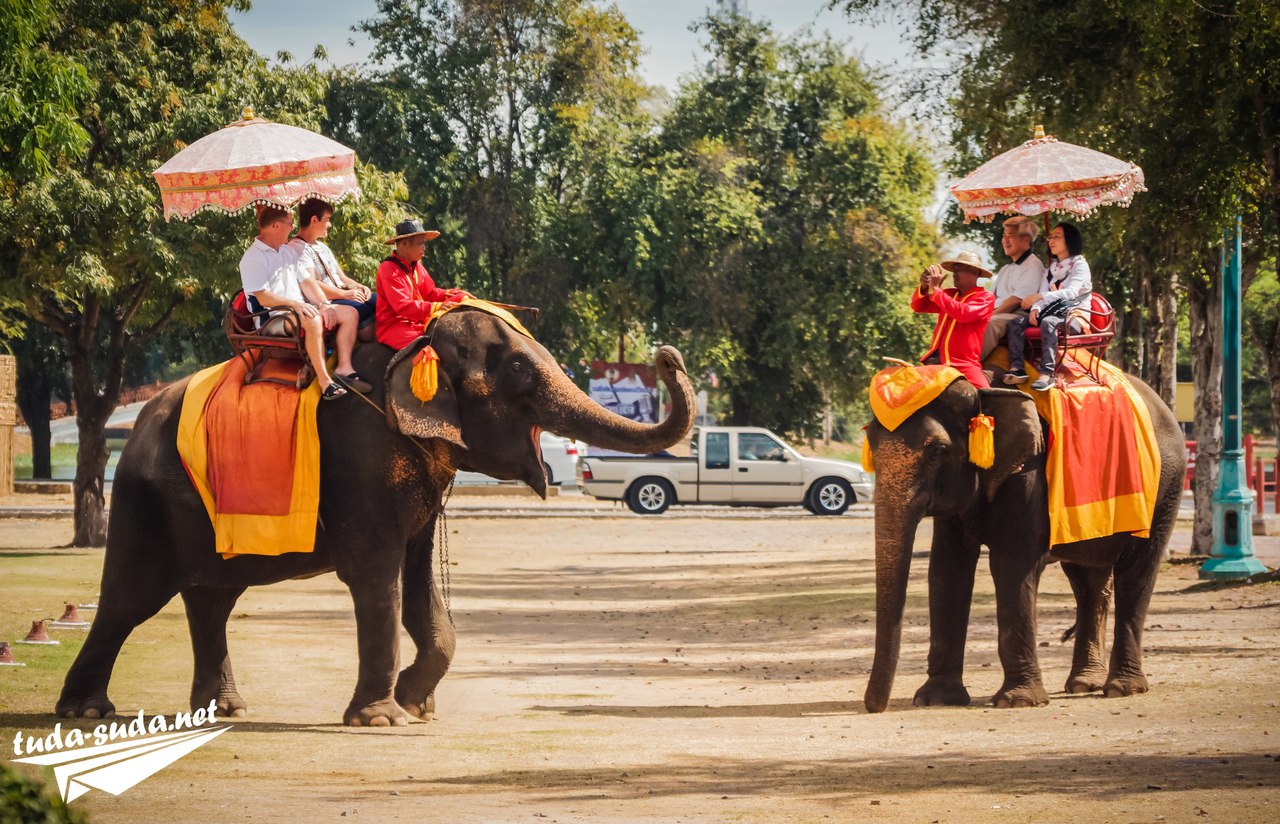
(675,669)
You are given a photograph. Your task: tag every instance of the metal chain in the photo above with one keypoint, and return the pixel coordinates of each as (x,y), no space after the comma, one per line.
(443,542)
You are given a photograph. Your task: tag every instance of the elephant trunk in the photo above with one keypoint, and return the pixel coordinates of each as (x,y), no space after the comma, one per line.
(570,412)
(897,516)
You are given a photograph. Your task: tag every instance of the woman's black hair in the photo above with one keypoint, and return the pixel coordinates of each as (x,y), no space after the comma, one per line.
(1072,237)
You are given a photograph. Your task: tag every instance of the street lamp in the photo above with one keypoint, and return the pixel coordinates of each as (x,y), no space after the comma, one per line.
(1232,553)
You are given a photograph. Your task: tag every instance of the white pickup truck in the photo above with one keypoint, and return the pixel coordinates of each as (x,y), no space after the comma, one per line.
(731,465)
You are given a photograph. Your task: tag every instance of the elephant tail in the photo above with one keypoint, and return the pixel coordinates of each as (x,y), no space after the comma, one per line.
(1069,634)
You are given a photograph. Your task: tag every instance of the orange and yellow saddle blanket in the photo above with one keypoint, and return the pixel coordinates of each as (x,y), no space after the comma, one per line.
(1103,466)
(253,453)
(899,392)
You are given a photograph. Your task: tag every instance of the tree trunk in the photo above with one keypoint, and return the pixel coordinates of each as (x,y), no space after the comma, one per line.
(1204,294)
(1162,341)
(94,404)
(89,487)
(35,394)
(1130,332)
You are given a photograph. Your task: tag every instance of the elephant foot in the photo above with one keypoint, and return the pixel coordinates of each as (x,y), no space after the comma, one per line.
(384,713)
(423,710)
(1025,695)
(1090,680)
(227,701)
(941,693)
(230,705)
(98,706)
(1121,686)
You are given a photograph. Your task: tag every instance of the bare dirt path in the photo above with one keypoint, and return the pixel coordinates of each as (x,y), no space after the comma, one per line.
(651,669)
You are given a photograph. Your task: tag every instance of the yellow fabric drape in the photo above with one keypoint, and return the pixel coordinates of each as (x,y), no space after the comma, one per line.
(1092,449)
(254,534)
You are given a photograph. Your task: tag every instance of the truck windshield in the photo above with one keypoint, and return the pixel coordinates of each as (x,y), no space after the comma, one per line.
(717,450)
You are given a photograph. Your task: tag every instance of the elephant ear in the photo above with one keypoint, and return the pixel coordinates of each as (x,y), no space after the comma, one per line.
(436,418)
(1018,435)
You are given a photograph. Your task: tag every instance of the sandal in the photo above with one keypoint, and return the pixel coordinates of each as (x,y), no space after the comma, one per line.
(332,391)
(354,381)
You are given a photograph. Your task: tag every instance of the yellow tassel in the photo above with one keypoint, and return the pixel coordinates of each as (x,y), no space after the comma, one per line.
(982,441)
(868,462)
(423,380)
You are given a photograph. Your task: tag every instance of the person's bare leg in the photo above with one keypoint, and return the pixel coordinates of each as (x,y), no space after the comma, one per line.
(315,349)
(345,337)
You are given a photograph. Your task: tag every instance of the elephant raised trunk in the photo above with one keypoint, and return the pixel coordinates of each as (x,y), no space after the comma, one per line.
(569,412)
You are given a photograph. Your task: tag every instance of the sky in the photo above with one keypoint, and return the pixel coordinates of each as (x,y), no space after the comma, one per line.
(671,49)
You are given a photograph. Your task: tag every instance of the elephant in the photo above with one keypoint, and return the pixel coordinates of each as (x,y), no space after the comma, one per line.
(385,467)
(923,469)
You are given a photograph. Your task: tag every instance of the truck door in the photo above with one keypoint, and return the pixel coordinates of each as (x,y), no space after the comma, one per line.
(767,472)
(715,476)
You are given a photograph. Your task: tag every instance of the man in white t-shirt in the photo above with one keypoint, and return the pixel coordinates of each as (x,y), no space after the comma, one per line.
(271,276)
(1015,280)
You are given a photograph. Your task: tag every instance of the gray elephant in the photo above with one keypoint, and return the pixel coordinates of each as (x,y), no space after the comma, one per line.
(383,473)
(923,469)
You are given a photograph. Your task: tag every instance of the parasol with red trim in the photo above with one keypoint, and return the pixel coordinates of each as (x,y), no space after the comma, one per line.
(255,162)
(1045,175)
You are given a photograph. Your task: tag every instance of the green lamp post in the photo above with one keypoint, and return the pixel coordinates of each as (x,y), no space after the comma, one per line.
(1232,553)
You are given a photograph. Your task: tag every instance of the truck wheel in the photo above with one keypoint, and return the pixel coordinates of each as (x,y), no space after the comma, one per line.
(546,470)
(830,496)
(650,496)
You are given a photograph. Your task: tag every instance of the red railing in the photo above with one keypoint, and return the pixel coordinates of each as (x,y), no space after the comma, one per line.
(1260,475)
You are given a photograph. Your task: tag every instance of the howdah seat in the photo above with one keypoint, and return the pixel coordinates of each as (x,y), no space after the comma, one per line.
(275,358)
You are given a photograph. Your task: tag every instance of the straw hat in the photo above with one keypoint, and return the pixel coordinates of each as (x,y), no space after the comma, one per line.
(411,228)
(967,258)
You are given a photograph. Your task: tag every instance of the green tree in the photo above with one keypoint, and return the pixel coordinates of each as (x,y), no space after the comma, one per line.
(40,92)
(85,248)
(1191,92)
(804,306)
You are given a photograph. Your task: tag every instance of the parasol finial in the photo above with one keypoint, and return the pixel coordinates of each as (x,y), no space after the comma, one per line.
(247,114)
(1039,135)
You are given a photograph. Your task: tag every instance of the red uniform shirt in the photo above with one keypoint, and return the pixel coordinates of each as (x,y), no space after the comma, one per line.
(957,339)
(404,301)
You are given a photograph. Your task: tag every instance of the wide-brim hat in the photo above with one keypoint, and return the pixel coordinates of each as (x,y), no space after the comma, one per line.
(411,228)
(966,258)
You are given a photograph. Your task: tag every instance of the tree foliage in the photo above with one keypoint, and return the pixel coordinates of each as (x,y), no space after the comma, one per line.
(764,223)
(85,247)
(1190,90)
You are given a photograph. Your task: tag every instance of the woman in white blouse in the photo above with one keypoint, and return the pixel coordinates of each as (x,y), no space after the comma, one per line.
(1067,283)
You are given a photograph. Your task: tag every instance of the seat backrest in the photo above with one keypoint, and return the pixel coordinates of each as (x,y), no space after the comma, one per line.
(238,314)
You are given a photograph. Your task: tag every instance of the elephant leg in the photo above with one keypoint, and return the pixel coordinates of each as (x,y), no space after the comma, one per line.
(427,621)
(1092,588)
(952,562)
(377,603)
(120,610)
(1016,568)
(212,681)
(1135,575)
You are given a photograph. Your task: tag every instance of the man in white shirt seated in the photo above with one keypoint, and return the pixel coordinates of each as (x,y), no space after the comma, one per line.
(1014,281)
(271,277)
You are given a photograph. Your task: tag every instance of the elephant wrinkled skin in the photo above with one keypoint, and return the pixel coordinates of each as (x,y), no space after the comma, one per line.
(923,469)
(383,476)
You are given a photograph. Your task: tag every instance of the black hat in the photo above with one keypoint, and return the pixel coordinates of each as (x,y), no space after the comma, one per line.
(411,228)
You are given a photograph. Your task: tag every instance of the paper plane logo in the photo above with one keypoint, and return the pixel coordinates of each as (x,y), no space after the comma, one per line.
(114,768)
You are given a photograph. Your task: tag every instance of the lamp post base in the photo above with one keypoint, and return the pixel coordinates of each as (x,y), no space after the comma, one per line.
(1232,553)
